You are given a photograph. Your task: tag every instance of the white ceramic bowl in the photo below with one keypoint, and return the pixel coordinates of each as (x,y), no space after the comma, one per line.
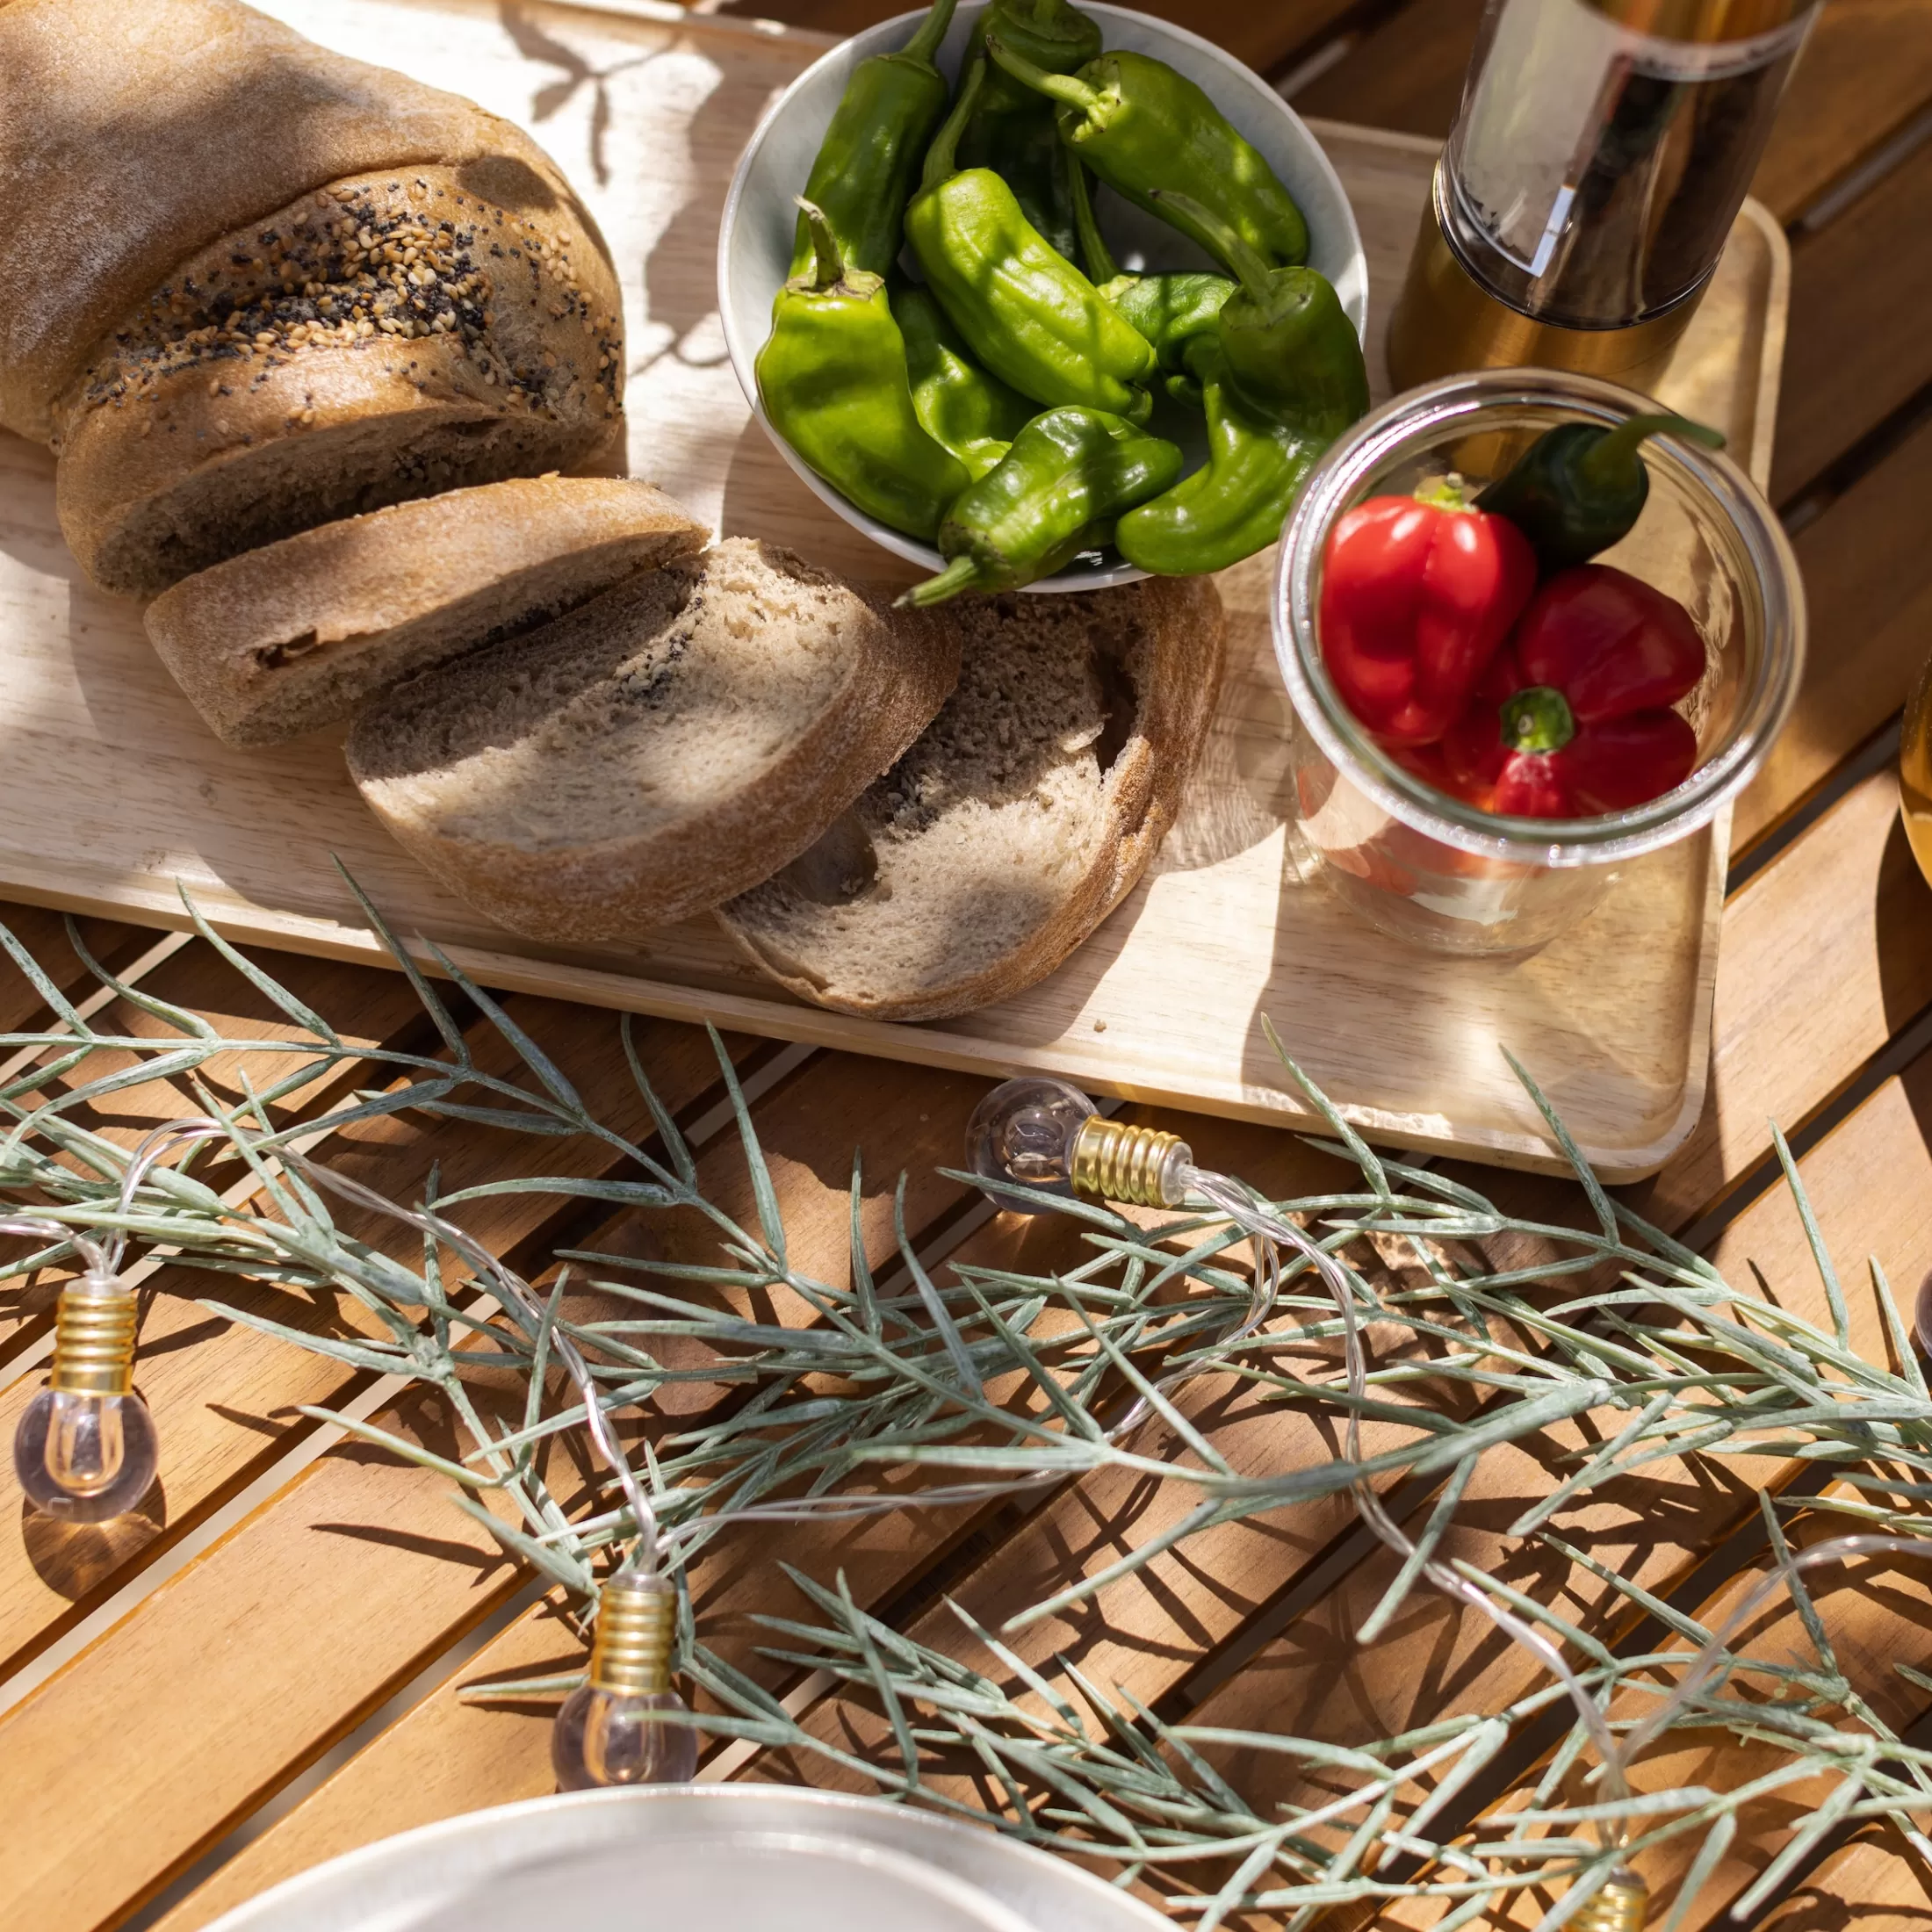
(626,1859)
(755,235)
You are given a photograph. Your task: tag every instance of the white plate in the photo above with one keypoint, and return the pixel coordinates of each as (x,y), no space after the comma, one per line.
(695,1855)
(754,237)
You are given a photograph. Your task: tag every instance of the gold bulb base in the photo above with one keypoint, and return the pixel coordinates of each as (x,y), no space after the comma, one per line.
(1446,322)
(94,1339)
(1135,1165)
(637,1628)
(1622,1905)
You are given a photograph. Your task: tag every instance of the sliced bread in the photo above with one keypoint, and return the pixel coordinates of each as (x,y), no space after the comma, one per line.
(286,639)
(387,337)
(1019,819)
(655,752)
(134,135)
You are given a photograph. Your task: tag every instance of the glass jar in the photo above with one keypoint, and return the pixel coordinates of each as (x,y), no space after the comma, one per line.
(1429,868)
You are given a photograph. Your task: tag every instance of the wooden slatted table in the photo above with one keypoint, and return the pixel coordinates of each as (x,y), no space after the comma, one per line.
(261,1672)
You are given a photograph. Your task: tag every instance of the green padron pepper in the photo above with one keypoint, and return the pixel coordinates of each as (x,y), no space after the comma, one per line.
(833,380)
(1056,493)
(1028,314)
(1140,125)
(871,156)
(1281,377)
(1237,503)
(1579,488)
(974,415)
(1011,128)
(1265,327)
(1170,309)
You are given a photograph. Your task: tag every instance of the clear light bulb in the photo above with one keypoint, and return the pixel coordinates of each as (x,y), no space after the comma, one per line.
(602,1736)
(85,1449)
(1048,1135)
(1621,1905)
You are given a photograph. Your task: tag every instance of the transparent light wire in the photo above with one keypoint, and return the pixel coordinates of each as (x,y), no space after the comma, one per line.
(1270,1231)
(31,1227)
(643,1558)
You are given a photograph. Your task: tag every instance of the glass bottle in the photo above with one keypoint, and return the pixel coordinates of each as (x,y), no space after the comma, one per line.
(1600,156)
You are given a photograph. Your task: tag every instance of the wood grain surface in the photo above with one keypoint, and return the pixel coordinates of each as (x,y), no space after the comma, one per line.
(1163,1002)
(260,1669)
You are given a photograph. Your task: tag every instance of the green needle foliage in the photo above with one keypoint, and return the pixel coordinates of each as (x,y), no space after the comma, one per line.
(876,1389)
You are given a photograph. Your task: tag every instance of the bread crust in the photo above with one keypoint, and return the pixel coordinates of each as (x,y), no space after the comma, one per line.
(287,638)
(901,667)
(135,134)
(388,336)
(1173,713)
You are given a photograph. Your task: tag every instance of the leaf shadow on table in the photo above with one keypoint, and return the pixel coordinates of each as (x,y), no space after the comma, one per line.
(75,1559)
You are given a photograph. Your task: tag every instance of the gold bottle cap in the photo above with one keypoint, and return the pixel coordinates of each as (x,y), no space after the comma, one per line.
(1140,1165)
(637,1628)
(1622,1905)
(94,1326)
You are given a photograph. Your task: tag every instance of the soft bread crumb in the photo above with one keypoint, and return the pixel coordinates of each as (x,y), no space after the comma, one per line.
(994,844)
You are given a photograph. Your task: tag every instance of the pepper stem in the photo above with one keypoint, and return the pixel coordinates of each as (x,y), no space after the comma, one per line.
(1612,457)
(1447,493)
(932,30)
(1212,232)
(1056,87)
(961,574)
(828,259)
(1537,720)
(1095,256)
(942,157)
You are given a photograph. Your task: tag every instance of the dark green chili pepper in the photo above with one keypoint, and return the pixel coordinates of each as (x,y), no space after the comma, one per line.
(1579,488)
(974,415)
(870,155)
(1012,130)
(1169,309)
(1028,314)
(1267,325)
(1140,125)
(1056,493)
(833,380)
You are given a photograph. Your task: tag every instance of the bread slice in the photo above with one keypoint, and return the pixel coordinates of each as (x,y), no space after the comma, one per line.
(1017,822)
(658,750)
(286,639)
(134,135)
(387,337)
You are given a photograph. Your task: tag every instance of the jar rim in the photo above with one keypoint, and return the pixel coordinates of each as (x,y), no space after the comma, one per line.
(1381,438)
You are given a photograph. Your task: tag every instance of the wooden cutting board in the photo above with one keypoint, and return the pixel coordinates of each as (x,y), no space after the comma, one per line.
(114,799)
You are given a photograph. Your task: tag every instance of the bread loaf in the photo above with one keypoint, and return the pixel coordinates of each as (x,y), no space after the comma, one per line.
(134,135)
(390,336)
(288,639)
(658,750)
(1017,822)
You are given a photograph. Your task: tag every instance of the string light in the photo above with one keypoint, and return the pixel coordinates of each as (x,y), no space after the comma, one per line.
(605,1732)
(86,1450)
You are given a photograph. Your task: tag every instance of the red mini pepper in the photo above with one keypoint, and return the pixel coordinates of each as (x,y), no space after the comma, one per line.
(1572,719)
(1417,594)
